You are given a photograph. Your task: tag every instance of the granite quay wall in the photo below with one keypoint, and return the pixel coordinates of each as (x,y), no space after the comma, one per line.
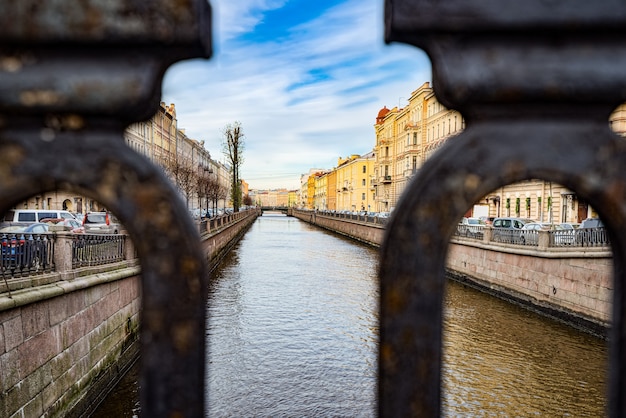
(66,335)
(366,229)
(549,274)
(219,237)
(69,333)
(566,284)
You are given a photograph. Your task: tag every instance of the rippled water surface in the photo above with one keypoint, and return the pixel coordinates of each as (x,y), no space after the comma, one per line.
(293,333)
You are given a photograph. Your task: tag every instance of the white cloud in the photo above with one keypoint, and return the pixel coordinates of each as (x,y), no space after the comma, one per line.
(302,102)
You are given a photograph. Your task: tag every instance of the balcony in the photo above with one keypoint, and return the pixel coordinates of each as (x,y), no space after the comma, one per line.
(386,179)
(409,172)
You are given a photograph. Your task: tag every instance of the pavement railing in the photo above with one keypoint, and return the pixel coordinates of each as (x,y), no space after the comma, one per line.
(357,217)
(93,250)
(29,260)
(586,237)
(26,254)
(212,225)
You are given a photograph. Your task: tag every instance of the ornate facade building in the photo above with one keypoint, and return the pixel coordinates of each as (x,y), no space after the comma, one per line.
(184,160)
(407,136)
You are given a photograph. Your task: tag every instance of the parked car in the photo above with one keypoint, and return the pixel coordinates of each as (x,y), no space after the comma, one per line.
(529,232)
(37,228)
(592,232)
(13,249)
(32,215)
(99,223)
(565,233)
(508,230)
(71,224)
(592,223)
(471,227)
(19,247)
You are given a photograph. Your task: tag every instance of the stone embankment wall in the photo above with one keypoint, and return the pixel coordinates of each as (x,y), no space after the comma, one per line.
(368,233)
(570,285)
(217,241)
(573,285)
(68,337)
(60,339)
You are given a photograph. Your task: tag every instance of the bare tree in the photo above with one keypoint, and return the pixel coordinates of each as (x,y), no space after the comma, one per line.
(182,174)
(210,189)
(233,150)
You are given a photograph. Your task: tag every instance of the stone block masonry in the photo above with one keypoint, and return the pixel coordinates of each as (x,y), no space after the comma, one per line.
(577,290)
(51,350)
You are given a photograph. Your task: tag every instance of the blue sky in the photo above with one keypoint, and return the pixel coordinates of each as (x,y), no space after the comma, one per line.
(306,79)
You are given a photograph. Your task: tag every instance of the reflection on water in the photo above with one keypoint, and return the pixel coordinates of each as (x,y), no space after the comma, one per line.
(292,325)
(292,331)
(500,359)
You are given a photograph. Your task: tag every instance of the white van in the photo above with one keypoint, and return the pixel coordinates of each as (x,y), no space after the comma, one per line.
(32,215)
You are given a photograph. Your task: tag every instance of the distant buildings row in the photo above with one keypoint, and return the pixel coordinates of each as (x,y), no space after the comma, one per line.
(405,138)
(202,181)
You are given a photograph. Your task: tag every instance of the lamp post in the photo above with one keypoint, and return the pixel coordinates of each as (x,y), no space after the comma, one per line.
(539,206)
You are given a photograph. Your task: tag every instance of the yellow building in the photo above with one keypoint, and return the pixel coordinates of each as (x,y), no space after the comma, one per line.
(245,188)
(282,198)
(354,191)
(292,199)
(321,190)
(331,192)
(310,192)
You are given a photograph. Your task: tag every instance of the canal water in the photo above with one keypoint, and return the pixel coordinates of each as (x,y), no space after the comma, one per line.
(293,332)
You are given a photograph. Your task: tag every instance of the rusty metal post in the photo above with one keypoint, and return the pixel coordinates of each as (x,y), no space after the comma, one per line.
(527,76)
(73,75)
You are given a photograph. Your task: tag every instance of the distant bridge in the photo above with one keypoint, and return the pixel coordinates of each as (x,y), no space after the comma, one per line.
(283,209)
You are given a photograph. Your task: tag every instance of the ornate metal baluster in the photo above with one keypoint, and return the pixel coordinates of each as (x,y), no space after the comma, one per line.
(527,76)
(72,76)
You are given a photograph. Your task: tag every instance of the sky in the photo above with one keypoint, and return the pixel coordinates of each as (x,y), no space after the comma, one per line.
(305,78)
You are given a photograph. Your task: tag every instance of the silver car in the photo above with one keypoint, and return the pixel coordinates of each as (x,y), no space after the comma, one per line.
(99,223)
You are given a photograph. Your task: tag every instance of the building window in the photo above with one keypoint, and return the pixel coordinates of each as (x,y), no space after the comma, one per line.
(363,182)
(414,138)
(362,196)
(364,169)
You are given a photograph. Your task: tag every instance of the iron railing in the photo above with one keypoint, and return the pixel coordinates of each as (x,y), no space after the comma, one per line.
(526,75)
(97,249)
(26,254)
(584,237)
